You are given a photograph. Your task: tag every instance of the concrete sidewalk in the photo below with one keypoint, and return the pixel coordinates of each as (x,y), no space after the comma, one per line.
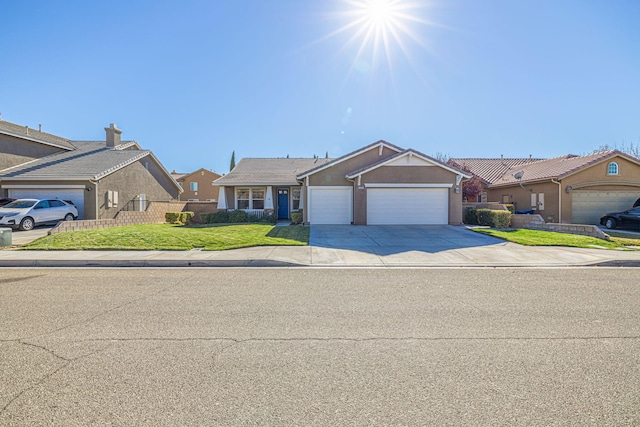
(494,255)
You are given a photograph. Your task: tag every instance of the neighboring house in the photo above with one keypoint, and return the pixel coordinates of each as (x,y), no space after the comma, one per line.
(377,184)
(569,189)
(198,186)
(99,177)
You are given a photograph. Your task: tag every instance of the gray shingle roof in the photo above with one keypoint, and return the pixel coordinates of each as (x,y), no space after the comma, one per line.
(255,171)
(90,160)
(33,134)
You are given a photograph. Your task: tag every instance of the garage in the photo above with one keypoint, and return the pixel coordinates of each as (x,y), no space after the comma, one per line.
(330,205)
(75,195)
(407,206)
(588,206)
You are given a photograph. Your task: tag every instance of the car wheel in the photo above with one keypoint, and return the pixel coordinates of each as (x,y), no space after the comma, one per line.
(68,217)
(610,223)
(27,223)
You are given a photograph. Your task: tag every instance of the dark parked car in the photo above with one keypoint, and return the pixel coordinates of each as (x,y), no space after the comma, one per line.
(626,219)
(5,200)
(636,204)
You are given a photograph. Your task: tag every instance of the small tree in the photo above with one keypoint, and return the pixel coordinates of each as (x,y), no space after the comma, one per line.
(471,188)
(232,164)
(326,156)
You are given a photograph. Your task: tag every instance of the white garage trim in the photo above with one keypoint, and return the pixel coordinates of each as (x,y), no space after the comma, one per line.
(330,204)
(76,195)
(42,186)
(413,205)
(587,206)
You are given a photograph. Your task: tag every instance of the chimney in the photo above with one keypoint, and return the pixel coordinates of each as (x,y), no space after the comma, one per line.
(113,135)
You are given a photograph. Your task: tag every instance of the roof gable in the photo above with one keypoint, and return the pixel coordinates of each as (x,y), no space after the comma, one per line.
(408,157)
(380,144)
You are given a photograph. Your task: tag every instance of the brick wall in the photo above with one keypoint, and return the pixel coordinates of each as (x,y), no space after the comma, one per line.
(153,215)
(536,222)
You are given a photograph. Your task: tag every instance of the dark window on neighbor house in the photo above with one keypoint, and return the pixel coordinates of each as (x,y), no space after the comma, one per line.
(257,196)
(612,169)
(295,198)
(242,198)
(193,186)
(180,184)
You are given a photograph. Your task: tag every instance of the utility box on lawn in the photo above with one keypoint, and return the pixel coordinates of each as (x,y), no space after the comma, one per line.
(5,237)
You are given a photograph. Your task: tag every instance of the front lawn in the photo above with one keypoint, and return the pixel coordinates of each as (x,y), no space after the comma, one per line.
(175,237)
(549,238)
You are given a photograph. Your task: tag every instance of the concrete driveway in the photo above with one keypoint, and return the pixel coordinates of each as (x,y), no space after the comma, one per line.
(24,237)
(390,239)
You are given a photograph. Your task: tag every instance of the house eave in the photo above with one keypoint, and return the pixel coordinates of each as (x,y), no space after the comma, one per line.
(39,141)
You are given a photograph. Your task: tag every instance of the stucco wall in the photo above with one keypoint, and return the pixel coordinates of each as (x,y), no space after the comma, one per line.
(130,182)
(521,197)
(408,175)
(14,151)
(335,175)
(206,190)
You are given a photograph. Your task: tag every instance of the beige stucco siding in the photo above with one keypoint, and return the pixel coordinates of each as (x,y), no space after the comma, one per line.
(335,175)
(408,175)
(16,151)
(130,182)
(593,178)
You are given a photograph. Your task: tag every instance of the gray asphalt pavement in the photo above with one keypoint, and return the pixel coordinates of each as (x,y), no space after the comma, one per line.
(343,246)
(284,346)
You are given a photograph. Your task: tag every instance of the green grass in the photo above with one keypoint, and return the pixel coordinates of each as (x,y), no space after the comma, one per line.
(174,237)
(549,238)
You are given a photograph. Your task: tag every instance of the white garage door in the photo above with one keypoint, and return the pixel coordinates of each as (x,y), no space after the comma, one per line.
(407,206)
(76,195)
(588,206)
(330,205)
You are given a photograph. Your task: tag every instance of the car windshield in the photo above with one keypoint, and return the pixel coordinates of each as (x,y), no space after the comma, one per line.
(20,204)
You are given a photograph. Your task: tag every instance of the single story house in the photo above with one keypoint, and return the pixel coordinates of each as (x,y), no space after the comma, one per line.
(568,189)
(99,177)
(198,186)
(380,183)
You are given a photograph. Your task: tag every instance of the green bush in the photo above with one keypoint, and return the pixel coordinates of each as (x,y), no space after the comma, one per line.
(512,209)
(470,216)
(296,217)
(237,216)
(493,218)
(269,218)
(178,217)
(172,217)
(220,217)
(253,218)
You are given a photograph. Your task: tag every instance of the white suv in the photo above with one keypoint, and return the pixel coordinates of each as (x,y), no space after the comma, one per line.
(24,214)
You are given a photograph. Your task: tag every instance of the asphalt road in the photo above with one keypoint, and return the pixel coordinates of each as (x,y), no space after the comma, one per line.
(320,347)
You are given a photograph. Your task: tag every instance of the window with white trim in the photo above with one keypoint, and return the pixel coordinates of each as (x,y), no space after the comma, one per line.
(193,186)
(250,198)
(612,169)
(295,198)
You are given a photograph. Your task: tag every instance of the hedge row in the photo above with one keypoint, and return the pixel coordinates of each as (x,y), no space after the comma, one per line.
(490,217)
(235,217)
(178,217)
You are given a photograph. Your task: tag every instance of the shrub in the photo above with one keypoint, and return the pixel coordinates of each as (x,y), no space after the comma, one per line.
(510,207)
(470,216)
(253,218)
(492,218)
(186,217)
(237,216)
(296,217)
(269,218)
(220,217)
(172,217)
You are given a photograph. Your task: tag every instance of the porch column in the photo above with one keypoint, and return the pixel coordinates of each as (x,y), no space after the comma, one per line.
(222,198)
(268,199)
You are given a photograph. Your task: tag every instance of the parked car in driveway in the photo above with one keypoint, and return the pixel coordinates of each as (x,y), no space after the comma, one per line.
(626,219)
(5,200)
(24,214)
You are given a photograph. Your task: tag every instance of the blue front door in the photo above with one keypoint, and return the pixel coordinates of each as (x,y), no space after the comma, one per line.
(283,203)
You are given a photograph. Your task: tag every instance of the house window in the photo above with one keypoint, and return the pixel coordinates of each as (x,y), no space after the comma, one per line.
(612,169)
(193,186)
(250,198)
(295,198)
(180,184)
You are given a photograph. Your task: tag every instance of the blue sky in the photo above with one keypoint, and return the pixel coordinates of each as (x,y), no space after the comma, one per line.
(195,80)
